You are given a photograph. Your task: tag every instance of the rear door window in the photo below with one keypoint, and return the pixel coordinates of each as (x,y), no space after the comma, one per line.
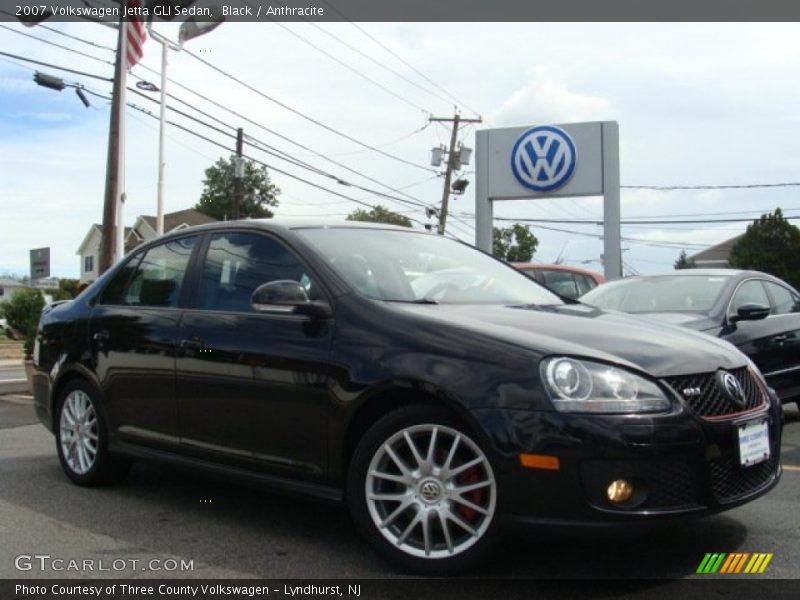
(158,279)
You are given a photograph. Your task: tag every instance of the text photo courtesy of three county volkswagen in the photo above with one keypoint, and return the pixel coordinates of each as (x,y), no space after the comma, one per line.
(277,303)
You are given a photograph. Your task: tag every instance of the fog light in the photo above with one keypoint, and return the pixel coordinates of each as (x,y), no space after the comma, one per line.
(620,491)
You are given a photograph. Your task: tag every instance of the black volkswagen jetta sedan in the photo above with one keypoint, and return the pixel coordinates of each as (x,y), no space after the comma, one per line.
(301,356)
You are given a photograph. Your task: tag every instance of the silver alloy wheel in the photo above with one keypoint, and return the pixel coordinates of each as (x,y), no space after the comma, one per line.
(78,429)
(430,491)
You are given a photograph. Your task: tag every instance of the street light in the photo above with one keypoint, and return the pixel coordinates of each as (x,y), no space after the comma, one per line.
(191,28)
(58,84)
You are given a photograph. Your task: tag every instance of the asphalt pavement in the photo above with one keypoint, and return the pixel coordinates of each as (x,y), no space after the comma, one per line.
(235,531)
(12,377)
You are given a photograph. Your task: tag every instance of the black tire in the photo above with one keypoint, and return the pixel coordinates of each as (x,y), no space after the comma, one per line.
(437,544)
(102,467)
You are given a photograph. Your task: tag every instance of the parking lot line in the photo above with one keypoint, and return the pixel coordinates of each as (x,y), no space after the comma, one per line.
(791,468)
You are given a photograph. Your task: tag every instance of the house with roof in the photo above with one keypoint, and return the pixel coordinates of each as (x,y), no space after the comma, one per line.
(716,257)
(143,230)
(9,287)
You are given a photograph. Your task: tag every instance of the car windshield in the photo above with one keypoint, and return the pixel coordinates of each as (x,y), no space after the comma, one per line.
(401,266)
(668,293)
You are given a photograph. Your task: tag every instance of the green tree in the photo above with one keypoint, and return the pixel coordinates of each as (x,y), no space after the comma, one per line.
(770,244)
(258,193)
(684,262)
(514,244)
(22,312)
(67,289)
(379,214)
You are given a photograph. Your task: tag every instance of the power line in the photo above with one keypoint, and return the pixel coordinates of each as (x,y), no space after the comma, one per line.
(718,213)
(377,62)
(643,222)
(381,145)
(253,159)
(52,66)
(283,137)
(280,154)
(747,186)
(76,38)
(401,59)
(305,116)
(352,69)
(664,243)
(367,146)
(48,42)
(266,148)
(275,152)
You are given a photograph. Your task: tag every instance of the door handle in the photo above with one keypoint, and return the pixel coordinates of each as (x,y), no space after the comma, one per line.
(192,344)
(782,337)
(101,337)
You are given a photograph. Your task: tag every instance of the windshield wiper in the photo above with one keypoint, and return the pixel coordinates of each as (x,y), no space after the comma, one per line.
(417,301)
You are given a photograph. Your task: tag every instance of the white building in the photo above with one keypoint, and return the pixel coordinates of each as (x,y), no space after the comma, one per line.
(9,287)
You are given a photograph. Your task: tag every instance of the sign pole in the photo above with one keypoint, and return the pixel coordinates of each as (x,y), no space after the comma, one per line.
(612,237)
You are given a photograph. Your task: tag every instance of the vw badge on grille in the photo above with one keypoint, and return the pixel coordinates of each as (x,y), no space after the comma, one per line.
(732,388)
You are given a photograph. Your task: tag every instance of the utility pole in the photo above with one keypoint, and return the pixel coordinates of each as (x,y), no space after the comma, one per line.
(108,244)
(238,173)
(452,161)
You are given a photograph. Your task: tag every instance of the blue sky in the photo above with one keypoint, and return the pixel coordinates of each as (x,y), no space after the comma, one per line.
(697,104)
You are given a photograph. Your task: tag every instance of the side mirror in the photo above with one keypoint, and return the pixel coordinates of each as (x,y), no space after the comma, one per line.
(750,312)
(287,296)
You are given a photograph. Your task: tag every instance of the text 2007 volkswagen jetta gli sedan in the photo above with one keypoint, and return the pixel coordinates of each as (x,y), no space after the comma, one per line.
(438,391)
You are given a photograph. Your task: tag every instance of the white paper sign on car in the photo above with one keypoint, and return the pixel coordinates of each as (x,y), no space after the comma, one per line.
(753,443)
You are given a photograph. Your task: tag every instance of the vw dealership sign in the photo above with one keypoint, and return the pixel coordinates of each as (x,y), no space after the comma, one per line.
(542,161)
(544,158)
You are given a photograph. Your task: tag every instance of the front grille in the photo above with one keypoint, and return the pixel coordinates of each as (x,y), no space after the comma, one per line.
(712,401)
(729,481)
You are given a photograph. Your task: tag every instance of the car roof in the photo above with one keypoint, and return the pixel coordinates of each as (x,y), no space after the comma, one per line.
(278,225)
(699,273)
(735,274)
(551,267)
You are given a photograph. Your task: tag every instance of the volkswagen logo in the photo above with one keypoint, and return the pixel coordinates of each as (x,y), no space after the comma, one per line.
(732,388)
(544,158)
(430,491)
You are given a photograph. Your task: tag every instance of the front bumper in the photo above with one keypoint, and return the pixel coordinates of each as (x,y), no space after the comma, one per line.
(681,465)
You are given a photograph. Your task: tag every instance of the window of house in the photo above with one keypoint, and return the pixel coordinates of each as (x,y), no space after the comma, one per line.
(88,264)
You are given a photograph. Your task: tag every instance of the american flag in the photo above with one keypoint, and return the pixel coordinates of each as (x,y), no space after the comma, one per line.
(135,33)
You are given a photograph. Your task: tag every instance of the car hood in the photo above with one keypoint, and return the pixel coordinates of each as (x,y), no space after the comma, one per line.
(579,330)
(696,321)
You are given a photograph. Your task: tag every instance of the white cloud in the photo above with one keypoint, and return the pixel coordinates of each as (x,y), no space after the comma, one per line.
(708,236)
(550,101)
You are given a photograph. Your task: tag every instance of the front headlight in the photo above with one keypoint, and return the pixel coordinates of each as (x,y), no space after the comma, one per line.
(586,386)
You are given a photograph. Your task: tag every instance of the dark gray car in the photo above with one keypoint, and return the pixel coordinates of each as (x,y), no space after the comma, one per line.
(756,312)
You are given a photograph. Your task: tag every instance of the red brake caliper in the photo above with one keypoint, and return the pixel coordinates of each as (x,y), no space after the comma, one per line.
(475,496)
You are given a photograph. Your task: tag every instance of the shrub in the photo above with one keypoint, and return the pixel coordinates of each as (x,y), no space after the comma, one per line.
(22,312)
